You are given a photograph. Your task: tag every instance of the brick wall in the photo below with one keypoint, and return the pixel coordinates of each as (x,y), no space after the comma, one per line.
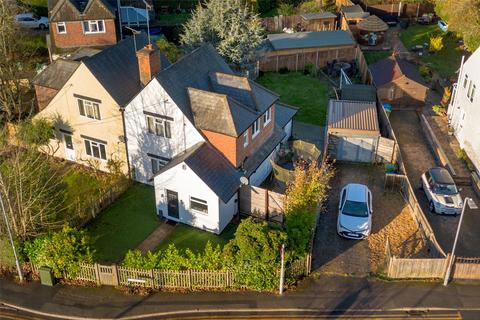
(76,38)
(223,143)
(406,93)
(44,96)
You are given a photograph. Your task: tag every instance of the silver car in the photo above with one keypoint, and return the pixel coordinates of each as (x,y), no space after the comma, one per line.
(441,191)
(355,212)
(31,21)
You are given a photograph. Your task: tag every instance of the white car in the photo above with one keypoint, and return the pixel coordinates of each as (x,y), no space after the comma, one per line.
(441,191)
(443,25)
(355,212)
(31,21)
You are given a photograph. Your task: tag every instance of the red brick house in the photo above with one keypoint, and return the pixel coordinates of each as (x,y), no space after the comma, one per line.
(80,23)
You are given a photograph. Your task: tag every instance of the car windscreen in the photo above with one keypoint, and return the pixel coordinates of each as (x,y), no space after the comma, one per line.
(355,209)
(446,189)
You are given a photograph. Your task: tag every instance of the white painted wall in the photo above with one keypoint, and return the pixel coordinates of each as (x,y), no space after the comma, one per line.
(464,114)
(153,98)
(184,181)
(263,170)
(288,130)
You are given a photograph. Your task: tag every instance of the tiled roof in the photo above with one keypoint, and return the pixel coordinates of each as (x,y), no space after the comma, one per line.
(284,113)
(391,68)
(57,74)
(79,10)
(357,117)
(320,15)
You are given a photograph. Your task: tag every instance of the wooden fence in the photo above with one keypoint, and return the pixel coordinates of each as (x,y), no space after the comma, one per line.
(466,269)
(261,203)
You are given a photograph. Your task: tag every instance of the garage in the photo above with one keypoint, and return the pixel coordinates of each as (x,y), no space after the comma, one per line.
(353,131)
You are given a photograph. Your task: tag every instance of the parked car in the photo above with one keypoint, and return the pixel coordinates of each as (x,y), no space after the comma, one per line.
(32,21)
(355,212)
(442,193)
(443,25)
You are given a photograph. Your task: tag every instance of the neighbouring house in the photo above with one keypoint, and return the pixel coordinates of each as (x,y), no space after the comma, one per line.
(319,21)
(353,131)
(464,108)
(196,130)
(296,51)
(399,83)
(86,99)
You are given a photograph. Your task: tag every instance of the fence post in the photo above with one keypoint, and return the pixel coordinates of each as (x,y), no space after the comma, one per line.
(115,275)
(97,273)
(189,279)
(152,275)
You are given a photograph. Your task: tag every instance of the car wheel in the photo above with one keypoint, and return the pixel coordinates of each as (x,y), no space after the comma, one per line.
(431,206)
(42,26)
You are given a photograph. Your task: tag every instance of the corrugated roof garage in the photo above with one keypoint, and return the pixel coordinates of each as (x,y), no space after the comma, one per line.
(353,130)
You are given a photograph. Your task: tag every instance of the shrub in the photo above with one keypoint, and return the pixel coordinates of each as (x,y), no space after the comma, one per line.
(299,226)
(285,9)
(82,189)
(62,251)
(439,110)
(424,71)
(436,43)
(462,154)
(36,132)
(309,7)
(169,49)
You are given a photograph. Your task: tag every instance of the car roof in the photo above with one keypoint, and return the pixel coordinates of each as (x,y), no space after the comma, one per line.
(356,192)
(441,176)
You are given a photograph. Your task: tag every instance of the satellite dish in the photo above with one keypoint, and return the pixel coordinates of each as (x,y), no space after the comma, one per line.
(244,180)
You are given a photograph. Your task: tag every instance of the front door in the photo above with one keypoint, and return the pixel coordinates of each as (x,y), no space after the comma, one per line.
(69,149)
(172,201)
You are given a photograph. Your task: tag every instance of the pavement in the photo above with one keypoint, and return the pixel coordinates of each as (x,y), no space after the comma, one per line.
(321,295)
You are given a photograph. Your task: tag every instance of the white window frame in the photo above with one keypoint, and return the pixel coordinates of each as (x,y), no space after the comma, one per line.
(201,202)
(472,94)
(469,89)
(161,127)
(267,117)
(93,24)
(157,164)
(465,81)
(61,24)
(245,139)
(89,109)
(255,128)
(89,149)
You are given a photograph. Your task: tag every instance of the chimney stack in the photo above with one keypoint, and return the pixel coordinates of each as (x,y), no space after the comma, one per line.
(148,63)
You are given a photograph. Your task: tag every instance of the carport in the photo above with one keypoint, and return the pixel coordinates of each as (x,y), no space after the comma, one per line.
(353,131)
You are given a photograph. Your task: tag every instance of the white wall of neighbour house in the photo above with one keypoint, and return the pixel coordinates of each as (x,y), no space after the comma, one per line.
(288,130)
(464,112)
(183,180)
(262,172)
(154,99)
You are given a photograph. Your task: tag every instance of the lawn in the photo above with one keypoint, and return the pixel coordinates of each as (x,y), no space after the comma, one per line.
(308,94)
(374,56)
(184,237)
(125,224)
(446,61)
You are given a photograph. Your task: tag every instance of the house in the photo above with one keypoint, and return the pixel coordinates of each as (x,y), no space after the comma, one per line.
(295,51)
(353,131)
(320,21)
(78,23)
(86,100)
(464,108)
(196,130)
(399,83)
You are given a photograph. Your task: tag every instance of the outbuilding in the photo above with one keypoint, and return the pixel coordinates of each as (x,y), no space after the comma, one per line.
(353,131)
(295,51)
(320,21)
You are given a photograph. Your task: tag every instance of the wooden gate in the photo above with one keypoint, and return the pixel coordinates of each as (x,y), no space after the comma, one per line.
(466,268)
(261,203)
(107,275)
(386,150)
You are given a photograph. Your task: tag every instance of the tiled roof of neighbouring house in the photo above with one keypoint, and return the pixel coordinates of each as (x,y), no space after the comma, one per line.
(359,92)
(211,167)
(310,39)
(284,113)
(355,117)
(391,68)
(79,10)
(320,15)
(57,74)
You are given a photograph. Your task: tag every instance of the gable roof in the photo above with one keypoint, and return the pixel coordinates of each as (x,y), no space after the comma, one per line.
(392,68)
(284,113)
(79,10)
(57,74)
(220,113)
(211,167)
(359,92)
(353,117)
(310,39)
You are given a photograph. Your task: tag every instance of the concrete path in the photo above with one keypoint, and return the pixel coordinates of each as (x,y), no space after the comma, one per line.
(156,237)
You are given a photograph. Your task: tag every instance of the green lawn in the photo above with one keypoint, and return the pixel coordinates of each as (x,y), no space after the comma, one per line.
(195,239)
(125,224)
(301,91)
(6,253)
(374,56)
(446,61)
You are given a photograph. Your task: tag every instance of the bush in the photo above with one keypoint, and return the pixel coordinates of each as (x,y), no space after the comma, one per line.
(36,132)
(436,43)
(299,226)
(285,9)
(82,189)
(309,7)
(439,110)
(462,155)
(424,71)
(62,251)
(169,49)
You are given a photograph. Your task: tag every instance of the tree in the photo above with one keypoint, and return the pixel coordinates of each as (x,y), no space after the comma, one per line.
(230,26)
(169,49)
(286,9)
(463,17)
(310,7)
(436,43)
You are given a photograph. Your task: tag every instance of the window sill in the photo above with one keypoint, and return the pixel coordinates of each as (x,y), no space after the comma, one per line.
(267,123)
(255,134)
(199,212)
(89,33)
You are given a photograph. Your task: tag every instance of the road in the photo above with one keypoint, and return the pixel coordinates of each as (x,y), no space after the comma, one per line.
(418,158)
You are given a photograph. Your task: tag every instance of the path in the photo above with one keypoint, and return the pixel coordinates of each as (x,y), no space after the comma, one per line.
(157,236)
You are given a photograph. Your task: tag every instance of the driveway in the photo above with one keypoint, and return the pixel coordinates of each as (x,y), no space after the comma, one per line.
(391,217)
(418,158)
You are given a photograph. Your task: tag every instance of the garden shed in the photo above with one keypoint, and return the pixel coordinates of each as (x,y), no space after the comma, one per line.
(353,131)
(295,51)
(399,83)
(319,21)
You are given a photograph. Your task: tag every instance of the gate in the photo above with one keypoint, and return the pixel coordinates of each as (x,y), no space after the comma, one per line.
(107,275)
(466,269)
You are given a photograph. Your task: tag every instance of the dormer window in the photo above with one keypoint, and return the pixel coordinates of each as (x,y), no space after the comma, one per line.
(255,128)
(93,26)
(267,117)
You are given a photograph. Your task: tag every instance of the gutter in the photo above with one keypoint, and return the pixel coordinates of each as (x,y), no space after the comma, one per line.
(122,110)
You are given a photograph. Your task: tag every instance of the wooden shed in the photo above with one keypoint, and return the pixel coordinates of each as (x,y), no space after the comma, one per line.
(353,131)
(399,83)
(295,51)
(319,21)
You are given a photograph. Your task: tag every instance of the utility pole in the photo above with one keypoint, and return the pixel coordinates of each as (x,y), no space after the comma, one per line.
(282,268)
(7,224)
(467,202)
